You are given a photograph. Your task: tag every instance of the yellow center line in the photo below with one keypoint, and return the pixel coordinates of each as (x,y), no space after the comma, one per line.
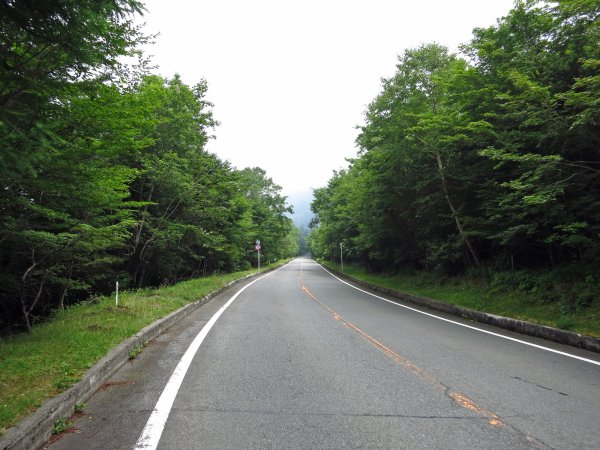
(460,399)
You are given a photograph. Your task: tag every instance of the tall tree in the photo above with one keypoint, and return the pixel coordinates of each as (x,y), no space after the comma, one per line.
(414,123)
(60,202)
(536,68)
(104,170)
(464,164)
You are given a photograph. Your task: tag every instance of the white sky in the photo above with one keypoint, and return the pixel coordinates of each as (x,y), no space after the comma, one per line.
(290,80)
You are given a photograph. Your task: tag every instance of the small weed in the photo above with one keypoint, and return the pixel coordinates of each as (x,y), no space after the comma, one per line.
(61,425)
(80,407)
(135,351)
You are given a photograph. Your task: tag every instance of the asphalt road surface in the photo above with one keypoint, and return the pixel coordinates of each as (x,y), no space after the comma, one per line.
(302,360)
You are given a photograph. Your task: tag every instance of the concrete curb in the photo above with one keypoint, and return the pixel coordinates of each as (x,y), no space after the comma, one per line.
(34,430)
(520,326)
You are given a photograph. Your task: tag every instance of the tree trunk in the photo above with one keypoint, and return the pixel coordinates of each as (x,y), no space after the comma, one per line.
(140,225)
(22,299)
(61,302)
(25,314)
(27,311)
(455,214)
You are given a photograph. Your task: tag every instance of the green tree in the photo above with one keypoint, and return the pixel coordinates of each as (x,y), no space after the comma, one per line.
(268,211)
(47,48)
(415,144)
(535,65)
(105,174)
(62,199)
(175,178)
(465,164)
(62,227)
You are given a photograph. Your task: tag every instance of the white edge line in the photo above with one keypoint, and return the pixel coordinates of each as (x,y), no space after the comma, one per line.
(591,361)
(158,418)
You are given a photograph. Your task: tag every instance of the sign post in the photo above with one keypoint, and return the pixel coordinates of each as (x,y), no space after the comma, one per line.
(257,247)
(342,255)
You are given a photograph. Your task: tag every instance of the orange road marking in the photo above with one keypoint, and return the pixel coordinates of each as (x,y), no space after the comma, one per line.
(458,398)
(469,404)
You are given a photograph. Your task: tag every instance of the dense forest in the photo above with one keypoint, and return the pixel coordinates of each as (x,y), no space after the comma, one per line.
(482,163)
(103,168)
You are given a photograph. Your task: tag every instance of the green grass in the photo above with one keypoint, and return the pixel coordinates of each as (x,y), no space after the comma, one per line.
(484,296)
(40,365)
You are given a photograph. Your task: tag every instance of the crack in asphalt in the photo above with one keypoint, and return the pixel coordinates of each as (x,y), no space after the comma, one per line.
(540,386)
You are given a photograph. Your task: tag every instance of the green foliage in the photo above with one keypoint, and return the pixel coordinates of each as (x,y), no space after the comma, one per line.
(104,170)
(80,407)
(487,162)
(62,424)
(134,352)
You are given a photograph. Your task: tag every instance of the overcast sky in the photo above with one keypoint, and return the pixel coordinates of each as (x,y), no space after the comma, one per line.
(291,80)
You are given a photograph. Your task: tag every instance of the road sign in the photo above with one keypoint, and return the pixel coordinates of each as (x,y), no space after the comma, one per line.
(257,247)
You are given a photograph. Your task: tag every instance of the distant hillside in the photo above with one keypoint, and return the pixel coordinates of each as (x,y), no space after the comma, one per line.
(301,203)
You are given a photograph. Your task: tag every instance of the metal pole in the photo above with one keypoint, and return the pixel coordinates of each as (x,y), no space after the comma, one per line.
(258,259)
(342,255)
(117,295)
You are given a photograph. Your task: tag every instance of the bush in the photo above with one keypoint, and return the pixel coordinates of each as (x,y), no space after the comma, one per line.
(573,288)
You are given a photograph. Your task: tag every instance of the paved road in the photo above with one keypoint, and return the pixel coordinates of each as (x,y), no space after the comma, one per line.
(302,360)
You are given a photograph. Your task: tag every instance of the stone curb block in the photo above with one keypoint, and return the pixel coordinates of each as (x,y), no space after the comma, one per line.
(34,430)
(520,326)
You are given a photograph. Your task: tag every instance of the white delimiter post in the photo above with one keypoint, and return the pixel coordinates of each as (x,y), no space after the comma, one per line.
(117,295)
(342,255)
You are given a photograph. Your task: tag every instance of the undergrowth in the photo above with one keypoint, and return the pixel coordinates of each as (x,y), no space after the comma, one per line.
(566,298)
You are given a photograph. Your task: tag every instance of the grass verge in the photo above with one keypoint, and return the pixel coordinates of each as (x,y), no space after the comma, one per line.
(40,365)
(484,296)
